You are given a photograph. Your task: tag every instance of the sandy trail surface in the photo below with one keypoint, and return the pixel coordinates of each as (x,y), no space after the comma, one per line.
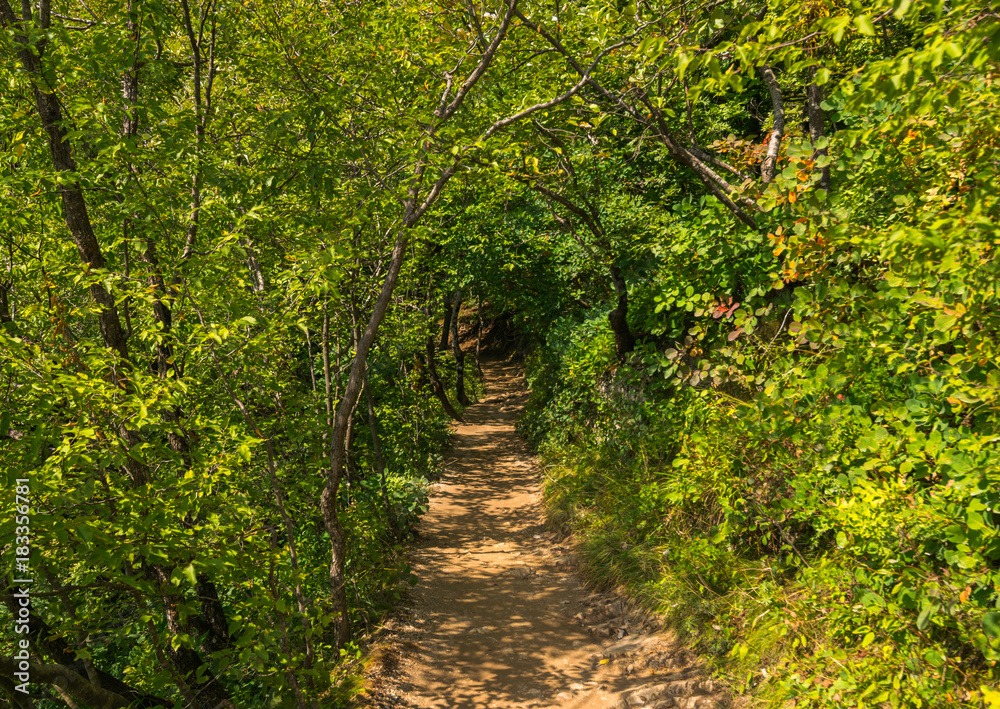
(500,617)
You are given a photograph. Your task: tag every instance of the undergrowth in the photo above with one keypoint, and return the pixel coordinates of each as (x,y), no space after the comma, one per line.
(843,559)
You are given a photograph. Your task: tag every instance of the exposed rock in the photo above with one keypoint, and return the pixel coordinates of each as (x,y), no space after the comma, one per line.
(629,645)
(645,695)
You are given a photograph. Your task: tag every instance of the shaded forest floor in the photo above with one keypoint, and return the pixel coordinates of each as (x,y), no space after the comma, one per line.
(500,616)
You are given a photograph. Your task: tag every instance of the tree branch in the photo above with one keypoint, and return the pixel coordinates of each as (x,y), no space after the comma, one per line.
(68,680)
(778,130)
(708,157)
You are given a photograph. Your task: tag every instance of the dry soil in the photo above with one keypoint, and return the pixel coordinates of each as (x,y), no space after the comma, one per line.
(500,617)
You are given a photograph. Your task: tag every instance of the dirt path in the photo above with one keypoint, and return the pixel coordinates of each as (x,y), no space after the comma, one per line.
(499,617)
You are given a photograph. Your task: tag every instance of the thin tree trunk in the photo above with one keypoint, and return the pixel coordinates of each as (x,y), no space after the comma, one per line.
(5,287)
(618,318)
(479,336)
(212,625)
(209,690)
(436,386)
(767,165)
(349,463)
(446,301)
(415,206)
(457,352)
(74,204)
(81,230)
(293,682)
(328,500)
(817,124)
(379,460)
(258,284)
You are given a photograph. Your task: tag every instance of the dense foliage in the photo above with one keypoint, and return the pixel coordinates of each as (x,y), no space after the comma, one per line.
(798,461)
(751,245)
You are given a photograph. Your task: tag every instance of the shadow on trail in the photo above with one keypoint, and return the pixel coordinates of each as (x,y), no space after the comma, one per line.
(493,604)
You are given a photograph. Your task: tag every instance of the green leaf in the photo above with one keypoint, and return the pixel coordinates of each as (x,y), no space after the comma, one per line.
(924,619)
(835,26)
(864,25)
(991,624)
(934,658)
(190,575)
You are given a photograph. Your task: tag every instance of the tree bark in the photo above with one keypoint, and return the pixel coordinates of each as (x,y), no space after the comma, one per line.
(457,351)
(767,165)
(479,335)
(436,386)
(74,205)
(446,301)
(618,318)
(46,642)
(329,497)
(349,463)
(68,680)
(5,287)
(817,125)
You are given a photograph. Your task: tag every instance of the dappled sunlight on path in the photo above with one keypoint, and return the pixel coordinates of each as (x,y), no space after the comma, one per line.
(491,603)
(495,620)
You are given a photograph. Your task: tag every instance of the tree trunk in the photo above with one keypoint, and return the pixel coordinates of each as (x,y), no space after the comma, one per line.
(414,207)
(328,501)
(624,339)
(258,284)
(767,165)
(457,351)
(81,230)
(436,385)
(349,463)
(74,204)
(45,640)
(446,327)
(188,662)
(479,335)
(5,287)
(379,461)
(817,124)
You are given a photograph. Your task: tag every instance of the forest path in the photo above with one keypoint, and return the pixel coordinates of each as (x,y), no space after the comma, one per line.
(500,618)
